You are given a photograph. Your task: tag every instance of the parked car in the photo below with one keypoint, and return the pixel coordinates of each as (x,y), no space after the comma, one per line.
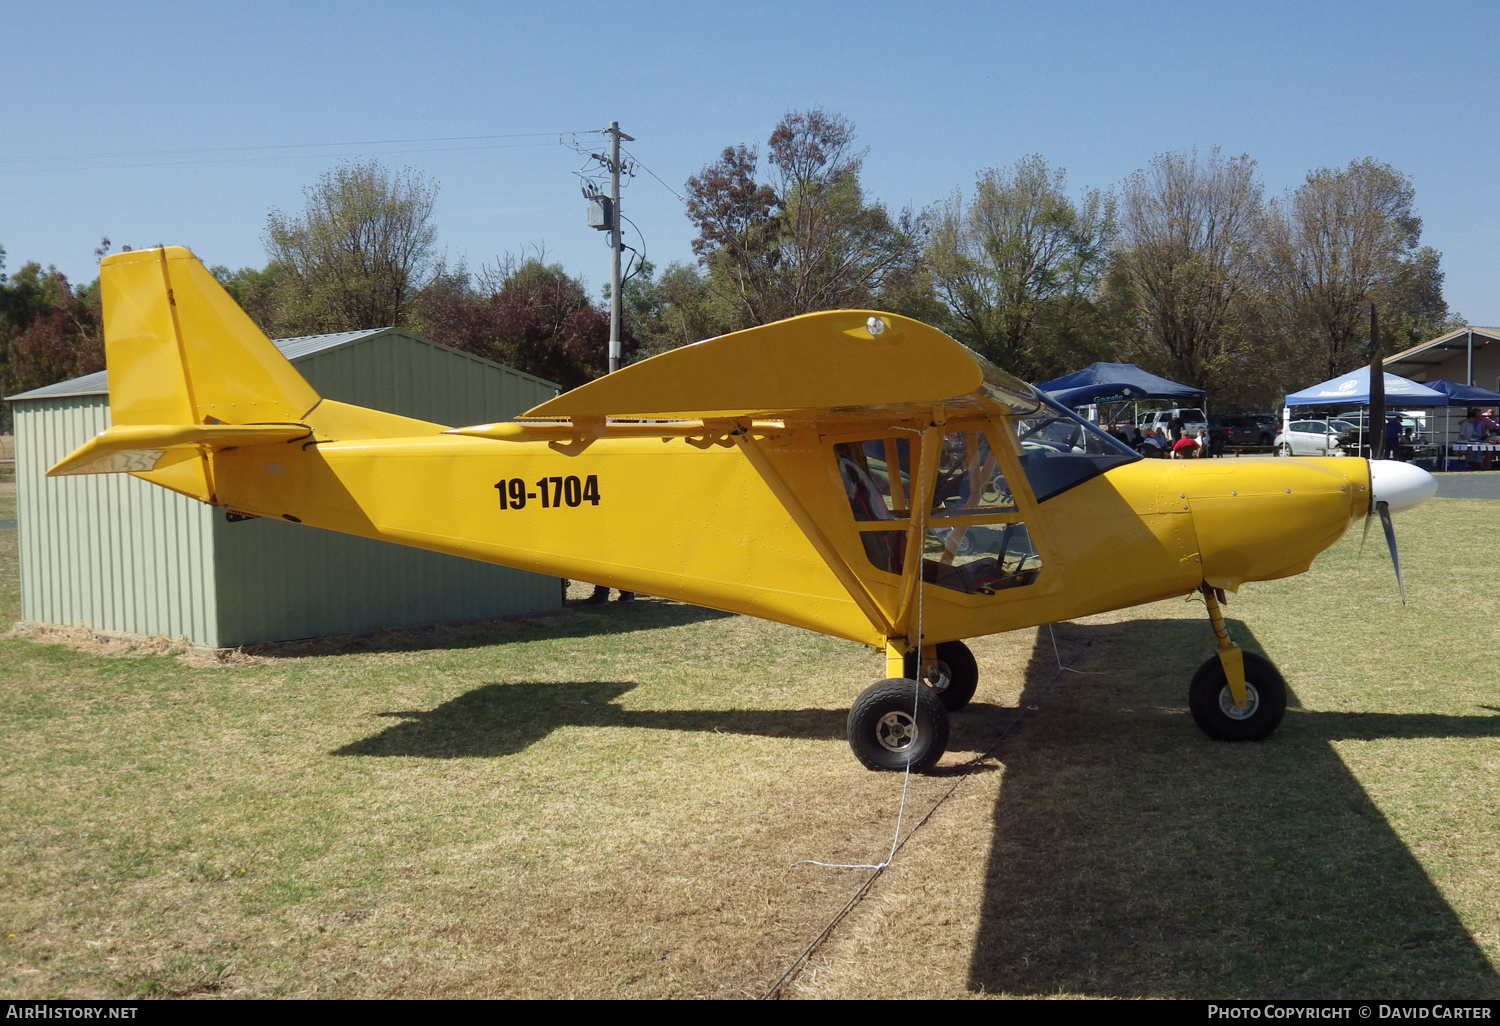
(1192,419)
(1310,438)
(1240,429)
(1355,440)
(1354,435)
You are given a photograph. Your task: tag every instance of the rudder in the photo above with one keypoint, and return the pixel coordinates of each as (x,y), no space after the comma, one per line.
(181,351)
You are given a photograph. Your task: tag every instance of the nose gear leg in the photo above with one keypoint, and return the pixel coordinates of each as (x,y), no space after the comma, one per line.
(1231,656)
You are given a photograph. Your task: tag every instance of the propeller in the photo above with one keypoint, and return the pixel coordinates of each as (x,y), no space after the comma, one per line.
(1377,393)
(1390,481)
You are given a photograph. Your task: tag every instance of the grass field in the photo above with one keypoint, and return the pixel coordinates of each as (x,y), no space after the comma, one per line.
(609,802)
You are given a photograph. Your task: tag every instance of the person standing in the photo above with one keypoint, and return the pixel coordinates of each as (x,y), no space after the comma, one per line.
(1392,437)
(1470,429)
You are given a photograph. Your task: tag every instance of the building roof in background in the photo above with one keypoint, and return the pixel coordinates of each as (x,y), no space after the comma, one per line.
(1435,351)
(297,348)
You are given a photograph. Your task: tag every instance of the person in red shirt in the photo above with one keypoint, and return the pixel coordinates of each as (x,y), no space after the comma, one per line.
(1184,448)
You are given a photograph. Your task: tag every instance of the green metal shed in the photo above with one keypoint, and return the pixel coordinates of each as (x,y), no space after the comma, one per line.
(114,553)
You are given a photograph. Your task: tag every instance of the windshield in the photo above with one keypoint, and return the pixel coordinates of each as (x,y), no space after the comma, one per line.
(1059,449)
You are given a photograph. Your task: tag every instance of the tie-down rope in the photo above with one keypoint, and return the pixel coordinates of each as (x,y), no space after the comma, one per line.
(900,842)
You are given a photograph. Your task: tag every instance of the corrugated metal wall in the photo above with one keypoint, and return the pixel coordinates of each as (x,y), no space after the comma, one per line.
(111,552)
(398,373)
(278,581)
(106,551)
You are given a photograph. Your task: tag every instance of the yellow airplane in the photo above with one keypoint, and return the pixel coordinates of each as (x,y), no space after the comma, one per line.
(854,473)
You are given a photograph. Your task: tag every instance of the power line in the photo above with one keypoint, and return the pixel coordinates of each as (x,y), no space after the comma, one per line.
(253,160)
(636,160)
(287,146)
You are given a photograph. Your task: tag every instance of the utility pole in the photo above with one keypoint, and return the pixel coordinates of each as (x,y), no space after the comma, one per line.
(616,243)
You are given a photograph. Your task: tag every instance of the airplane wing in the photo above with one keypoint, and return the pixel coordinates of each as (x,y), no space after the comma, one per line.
(816,366)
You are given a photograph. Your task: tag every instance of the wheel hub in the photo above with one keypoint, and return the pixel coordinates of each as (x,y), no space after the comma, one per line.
(938,676)
(1238,712)
(896,731)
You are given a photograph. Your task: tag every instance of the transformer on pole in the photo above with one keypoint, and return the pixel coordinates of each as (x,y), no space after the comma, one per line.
(604,215)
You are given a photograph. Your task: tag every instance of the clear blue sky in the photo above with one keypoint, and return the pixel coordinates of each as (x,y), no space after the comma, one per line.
(937,91)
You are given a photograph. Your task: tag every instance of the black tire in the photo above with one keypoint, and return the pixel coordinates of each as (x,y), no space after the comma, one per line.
(1213,708)
(958,674)
(1285,449)
(883,734)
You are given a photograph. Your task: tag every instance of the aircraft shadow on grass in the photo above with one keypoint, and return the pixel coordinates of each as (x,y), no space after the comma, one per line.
(1133,857)
(502,719)
(1130,855)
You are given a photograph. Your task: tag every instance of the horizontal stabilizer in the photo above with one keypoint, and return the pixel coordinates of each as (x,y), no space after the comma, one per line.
(138,448)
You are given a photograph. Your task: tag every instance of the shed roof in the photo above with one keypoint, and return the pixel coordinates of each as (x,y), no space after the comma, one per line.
(296,348)
(1435,351)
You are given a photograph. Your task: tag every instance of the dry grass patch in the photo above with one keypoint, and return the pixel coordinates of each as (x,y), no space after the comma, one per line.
(1122,854)
(609,803)
(590,806)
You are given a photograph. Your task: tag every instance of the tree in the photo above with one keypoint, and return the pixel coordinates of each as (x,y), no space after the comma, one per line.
(676,308)
(357,255)
(1018,268)
(1190,235)
(805,239)
(1344,238)
(257,292)
(525,314)
(49,331)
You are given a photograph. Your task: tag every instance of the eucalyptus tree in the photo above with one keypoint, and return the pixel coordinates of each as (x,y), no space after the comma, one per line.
(1345,238)
(797,235)
(1019,266)
(357,254)
(1190,256)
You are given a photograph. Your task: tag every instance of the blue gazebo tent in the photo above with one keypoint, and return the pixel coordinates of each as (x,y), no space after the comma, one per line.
(1464,395)
(1353,389)
(1116,383)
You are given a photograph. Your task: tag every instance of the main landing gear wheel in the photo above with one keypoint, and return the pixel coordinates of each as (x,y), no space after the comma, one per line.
(954,676)
(886,736)
(1213,706)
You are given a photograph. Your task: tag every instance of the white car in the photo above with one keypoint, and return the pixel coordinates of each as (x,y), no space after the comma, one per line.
(1310,438)
(1192,419)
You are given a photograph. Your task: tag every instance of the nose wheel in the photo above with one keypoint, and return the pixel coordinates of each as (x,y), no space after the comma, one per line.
(1220,717)
(1236,695)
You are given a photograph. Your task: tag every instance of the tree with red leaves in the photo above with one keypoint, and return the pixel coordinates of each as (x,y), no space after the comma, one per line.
(49,331)
(528,315)
(804,239)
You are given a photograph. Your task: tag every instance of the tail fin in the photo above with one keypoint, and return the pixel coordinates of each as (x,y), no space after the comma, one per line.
(191,374)
(181,351)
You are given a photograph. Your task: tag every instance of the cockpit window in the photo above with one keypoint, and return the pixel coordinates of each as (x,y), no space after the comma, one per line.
(981,559)
(982,546)
(969,479)
(877,477)
(1059,449)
